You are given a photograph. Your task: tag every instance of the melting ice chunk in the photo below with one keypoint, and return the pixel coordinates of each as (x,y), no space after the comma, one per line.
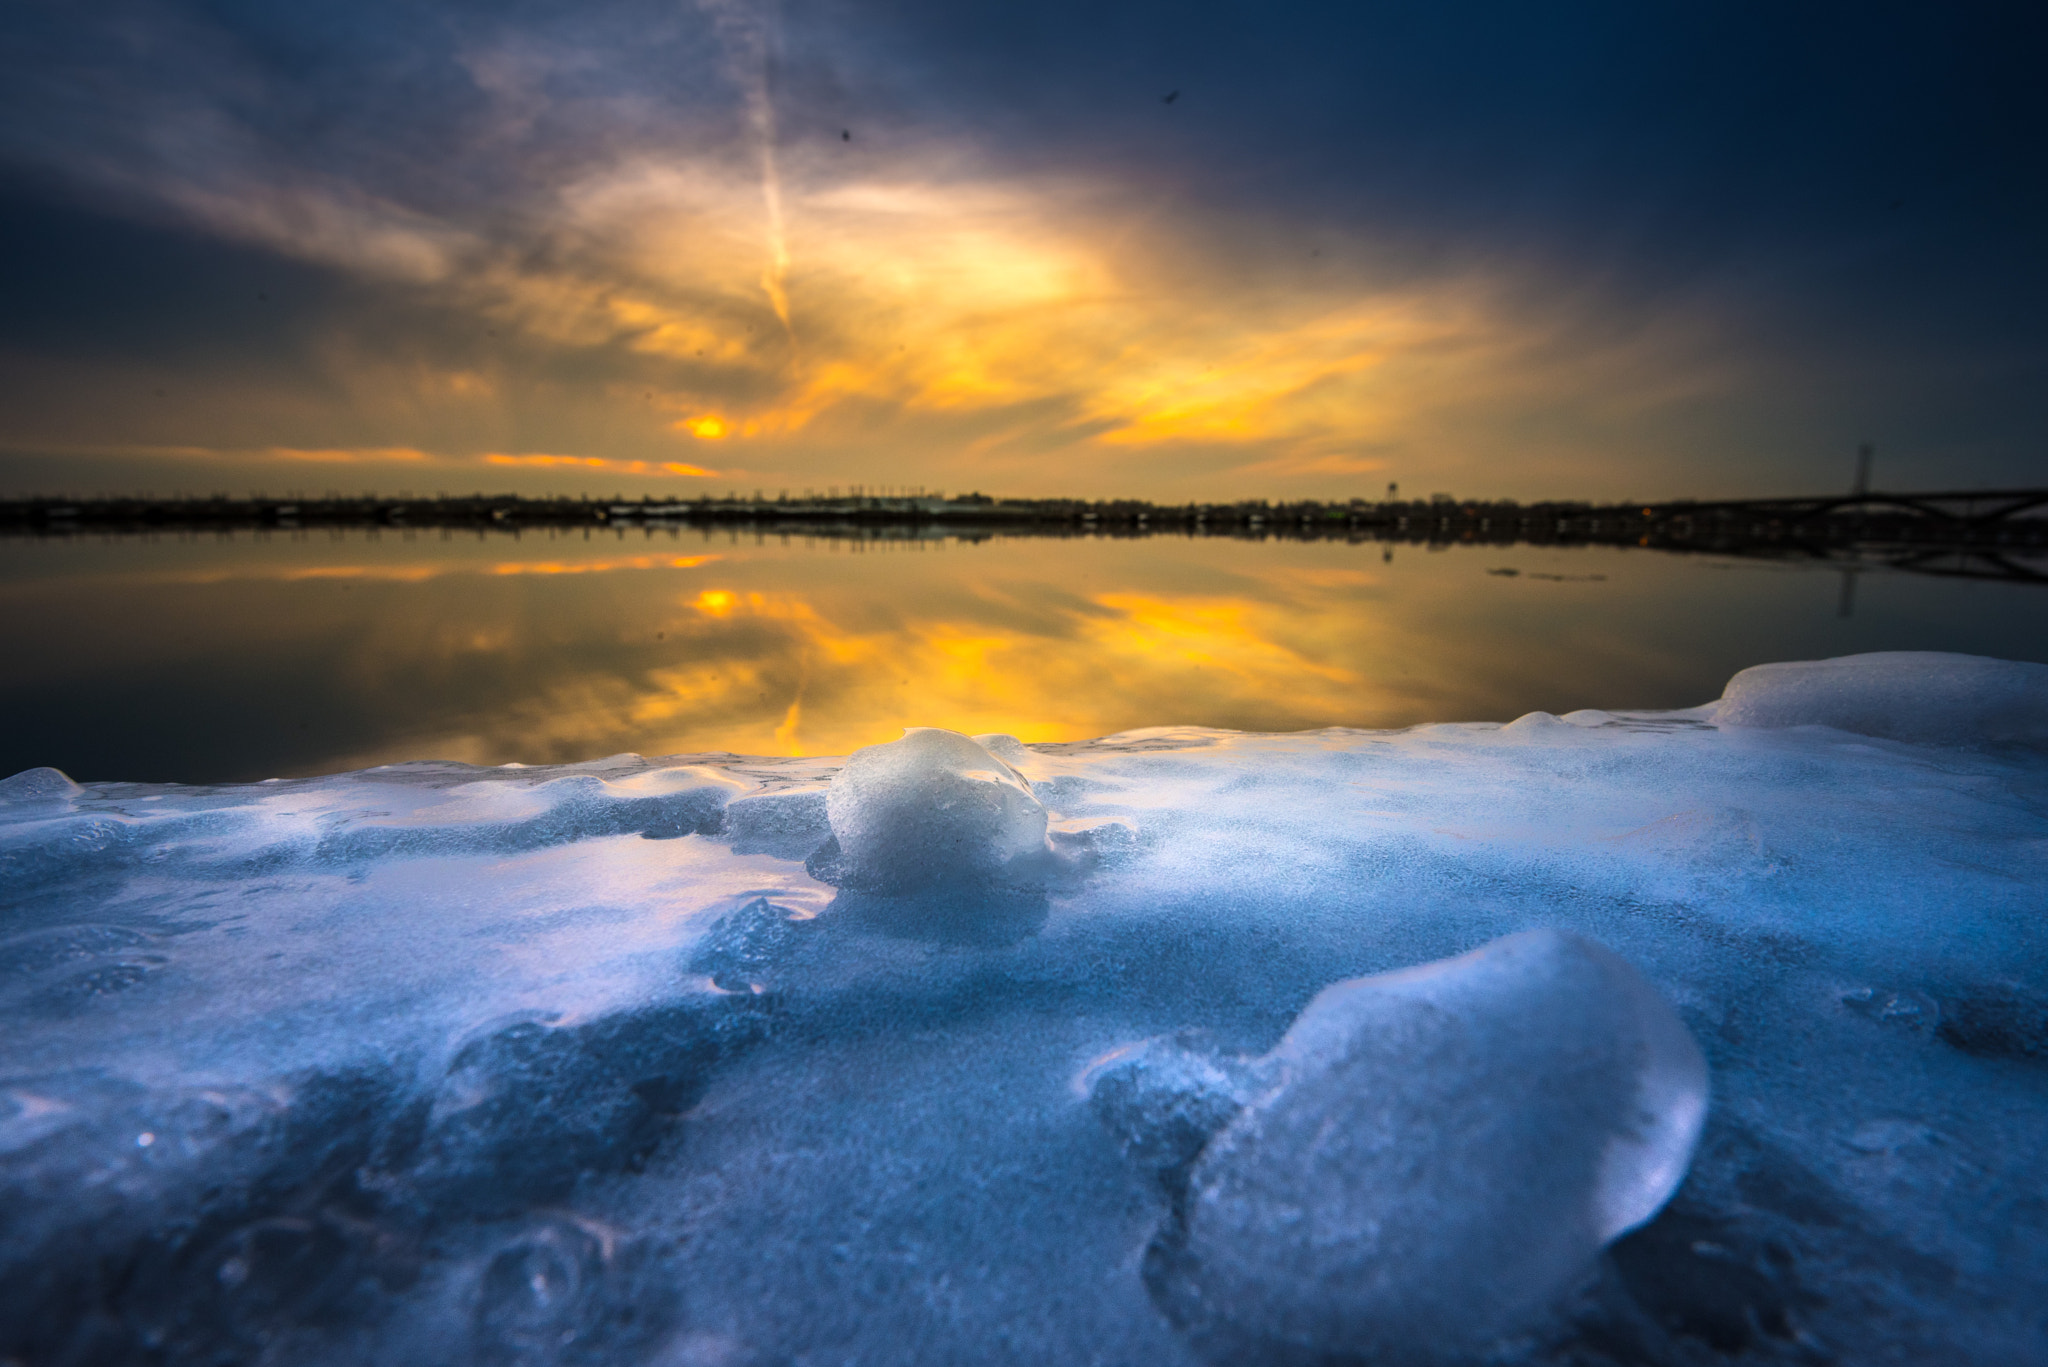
(1443,1152)
(1911,695)
(933,807)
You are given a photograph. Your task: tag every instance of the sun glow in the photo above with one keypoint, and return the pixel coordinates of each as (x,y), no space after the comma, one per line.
(1047,329)
(1041,313)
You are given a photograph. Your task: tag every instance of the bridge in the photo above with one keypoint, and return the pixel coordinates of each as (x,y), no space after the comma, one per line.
(1958,507)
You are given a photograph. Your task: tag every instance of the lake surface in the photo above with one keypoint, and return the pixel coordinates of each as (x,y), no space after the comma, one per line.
(211,658)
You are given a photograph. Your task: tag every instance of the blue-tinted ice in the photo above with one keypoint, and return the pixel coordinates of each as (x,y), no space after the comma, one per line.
(718,1060)
(1433,1156)
(1926,696)
(933,808)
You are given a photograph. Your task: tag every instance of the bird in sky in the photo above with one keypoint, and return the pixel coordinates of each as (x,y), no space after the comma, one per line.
(1170,97)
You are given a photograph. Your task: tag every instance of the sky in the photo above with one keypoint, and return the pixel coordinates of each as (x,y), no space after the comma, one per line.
(1168,251)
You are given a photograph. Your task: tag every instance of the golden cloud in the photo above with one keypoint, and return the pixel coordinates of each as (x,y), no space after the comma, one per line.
(604,463)
(948,296)
(927,313)
(351,455)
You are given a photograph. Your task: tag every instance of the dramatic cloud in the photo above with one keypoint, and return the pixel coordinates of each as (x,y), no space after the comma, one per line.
(812,244)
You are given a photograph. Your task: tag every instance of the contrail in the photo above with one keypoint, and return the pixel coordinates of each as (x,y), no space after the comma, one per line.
(777,269)
(747,30)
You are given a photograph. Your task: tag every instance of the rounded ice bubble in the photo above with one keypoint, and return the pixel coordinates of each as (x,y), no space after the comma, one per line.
(933,807)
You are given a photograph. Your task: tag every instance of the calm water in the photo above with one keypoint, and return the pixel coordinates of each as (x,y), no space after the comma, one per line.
(210,658)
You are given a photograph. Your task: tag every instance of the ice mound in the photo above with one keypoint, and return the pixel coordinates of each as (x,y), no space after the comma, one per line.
(38,785)
(1443,1151)
(934,807)
(1926,697)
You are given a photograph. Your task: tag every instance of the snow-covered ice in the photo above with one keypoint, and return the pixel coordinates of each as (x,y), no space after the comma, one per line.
(1153,1049)
(1919,695)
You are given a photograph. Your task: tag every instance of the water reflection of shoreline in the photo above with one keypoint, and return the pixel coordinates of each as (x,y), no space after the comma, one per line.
(2024,562)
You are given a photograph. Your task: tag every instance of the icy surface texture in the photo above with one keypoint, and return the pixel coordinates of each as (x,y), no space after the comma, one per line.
(432,1064)
(1922,696)
(1442,1152)
(934,807)
(37,785)
(1164,1099)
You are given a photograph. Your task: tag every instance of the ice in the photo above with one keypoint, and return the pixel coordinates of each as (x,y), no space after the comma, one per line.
(1165,1098)
(1923,696)
(1441,1153)
(934,807)
(961,1050)
(38,785)
(563,1291)
(790,823)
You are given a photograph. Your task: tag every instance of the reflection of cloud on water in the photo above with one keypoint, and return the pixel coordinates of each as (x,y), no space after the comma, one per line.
(1207,634)
(1320,577)
(630,562)
(412,573)
(582,651)
(397,574)
(790,673)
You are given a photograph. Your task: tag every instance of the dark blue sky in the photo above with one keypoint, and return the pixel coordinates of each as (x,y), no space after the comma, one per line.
(1596,249)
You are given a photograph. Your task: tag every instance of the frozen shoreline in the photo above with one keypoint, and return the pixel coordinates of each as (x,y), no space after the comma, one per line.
(619,1062)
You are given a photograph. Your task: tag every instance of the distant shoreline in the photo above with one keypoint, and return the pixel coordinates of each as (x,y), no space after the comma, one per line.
(1997,534)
